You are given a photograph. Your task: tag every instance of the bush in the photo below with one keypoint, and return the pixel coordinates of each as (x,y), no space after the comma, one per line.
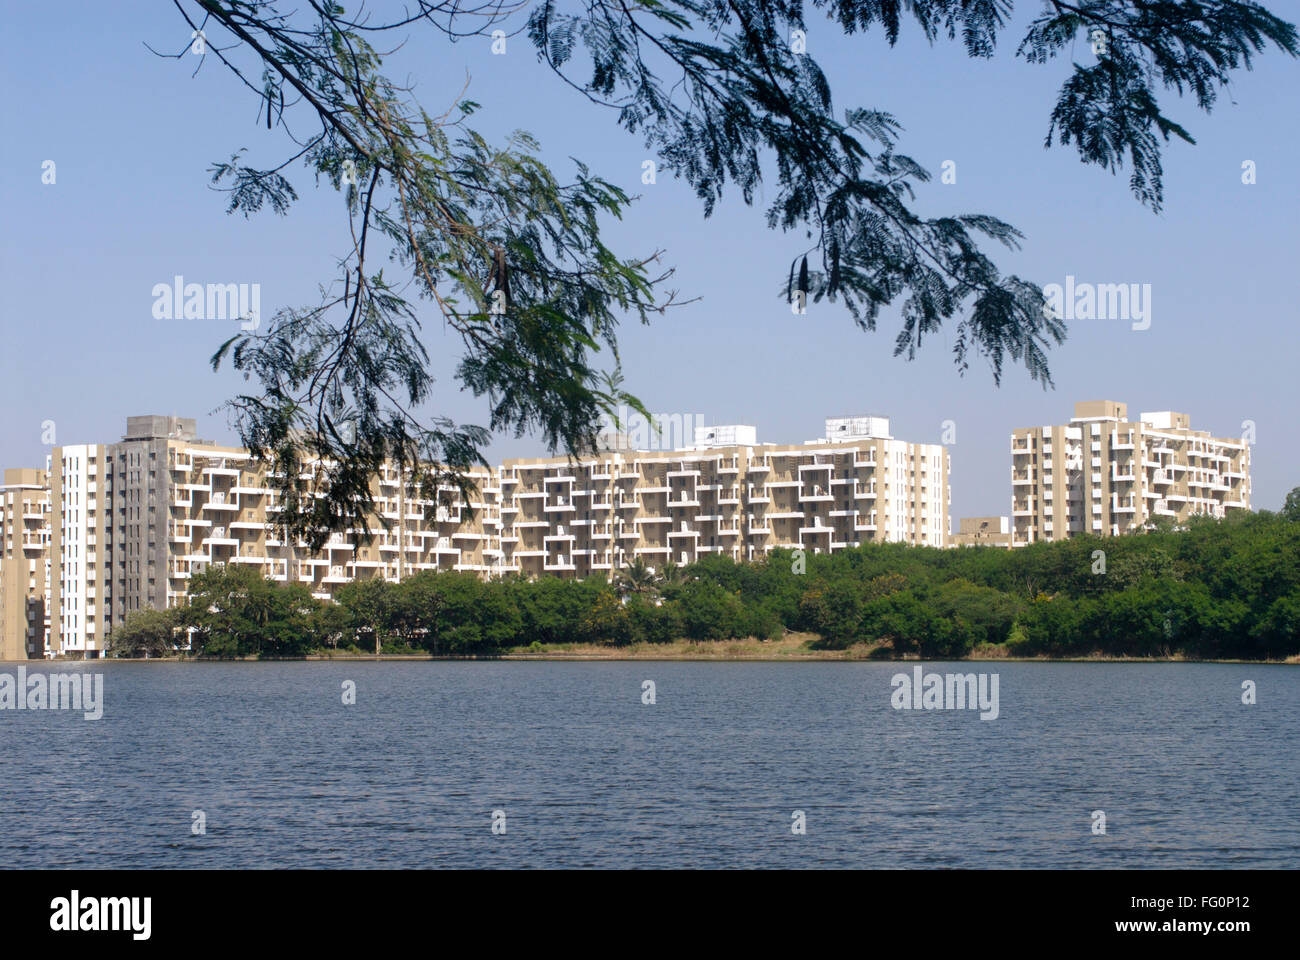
(708,611)
(654,624)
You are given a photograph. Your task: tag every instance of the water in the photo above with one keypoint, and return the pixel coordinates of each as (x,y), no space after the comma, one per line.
(588,776)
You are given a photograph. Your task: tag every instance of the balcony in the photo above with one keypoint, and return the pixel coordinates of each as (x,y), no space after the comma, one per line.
(815,529)
(227,471)
(817,495)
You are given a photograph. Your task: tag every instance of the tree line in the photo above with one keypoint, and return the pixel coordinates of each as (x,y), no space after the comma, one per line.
(1226,588)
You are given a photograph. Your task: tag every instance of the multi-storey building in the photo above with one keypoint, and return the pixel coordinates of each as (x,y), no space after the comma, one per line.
(133,521)
(24,564)
(130,523)
(221,508)
(1104,474)
(728,494)
(78,511)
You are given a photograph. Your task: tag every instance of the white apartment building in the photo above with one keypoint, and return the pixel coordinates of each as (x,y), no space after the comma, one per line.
(592,515)
(1104,474)
(77,521)
(130,523)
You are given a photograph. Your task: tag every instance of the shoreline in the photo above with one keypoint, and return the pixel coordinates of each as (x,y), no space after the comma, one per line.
(792,648)
(814,659)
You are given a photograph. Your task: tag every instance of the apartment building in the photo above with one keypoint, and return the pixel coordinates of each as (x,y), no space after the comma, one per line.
(113,528)
(79,506)
(727,494)
(134,521)
(1105,474)
(221,508)
(24,564)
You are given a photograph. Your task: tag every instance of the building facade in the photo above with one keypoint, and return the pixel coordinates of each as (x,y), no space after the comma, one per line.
(25,537)
(1104,474)
(79,507)
(592,515)
(128,524)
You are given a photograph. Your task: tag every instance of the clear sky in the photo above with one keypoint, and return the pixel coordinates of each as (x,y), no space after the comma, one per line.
(133,135)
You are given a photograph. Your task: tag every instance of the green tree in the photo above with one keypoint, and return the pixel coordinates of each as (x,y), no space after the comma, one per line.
(146,633)
(835,612)
(1277,633)
(512,256)
(653,622)
(671,575)
(708,611)
(608,621)
(636,578)
(473,617)
(1291,508)
(553,610)
(233,611)
(370,605)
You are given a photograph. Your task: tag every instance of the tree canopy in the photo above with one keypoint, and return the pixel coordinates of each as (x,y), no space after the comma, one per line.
(510,253)
(1217,589)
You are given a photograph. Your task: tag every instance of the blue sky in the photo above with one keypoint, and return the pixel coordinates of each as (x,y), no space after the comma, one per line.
(133,135)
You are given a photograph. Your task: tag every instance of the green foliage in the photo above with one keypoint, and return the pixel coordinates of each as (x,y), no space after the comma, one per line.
(709,611)
(146,633)
(834,611)
(608,621)
(1218,589)
(654,623)
(637,578)
(235,612)
(1291,508)
(554,610)
(511,256)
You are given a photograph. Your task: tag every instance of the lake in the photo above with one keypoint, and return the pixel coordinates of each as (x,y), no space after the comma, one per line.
(285,774)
